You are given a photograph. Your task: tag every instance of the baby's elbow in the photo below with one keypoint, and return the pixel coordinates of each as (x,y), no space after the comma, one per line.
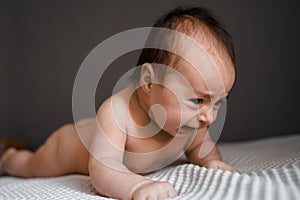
(102,167)
(93,167)
(97,175)
(103,175)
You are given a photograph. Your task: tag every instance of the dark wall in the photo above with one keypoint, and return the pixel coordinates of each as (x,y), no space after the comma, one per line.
(43,44)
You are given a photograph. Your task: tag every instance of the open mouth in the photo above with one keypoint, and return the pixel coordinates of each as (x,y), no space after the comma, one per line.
(190,129)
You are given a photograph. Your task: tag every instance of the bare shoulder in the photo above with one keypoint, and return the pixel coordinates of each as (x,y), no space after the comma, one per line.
(115,110)
(105,111)
(111,122)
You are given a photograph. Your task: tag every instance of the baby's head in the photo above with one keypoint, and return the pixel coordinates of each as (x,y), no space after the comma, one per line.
(197,23)
(187,110)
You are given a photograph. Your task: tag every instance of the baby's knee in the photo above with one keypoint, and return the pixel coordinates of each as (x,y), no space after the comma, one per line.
(7,154)
(16,162)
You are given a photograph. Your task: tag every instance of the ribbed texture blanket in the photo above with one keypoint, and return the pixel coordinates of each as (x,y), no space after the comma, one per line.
(268,169)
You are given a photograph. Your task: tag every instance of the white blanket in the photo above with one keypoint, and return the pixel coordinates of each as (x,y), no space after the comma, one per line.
(268,169)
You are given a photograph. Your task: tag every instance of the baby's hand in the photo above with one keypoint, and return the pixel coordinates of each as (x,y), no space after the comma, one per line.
(217,164)
(154,190)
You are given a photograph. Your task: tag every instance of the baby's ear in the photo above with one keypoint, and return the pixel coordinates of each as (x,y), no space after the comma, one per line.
(147,77)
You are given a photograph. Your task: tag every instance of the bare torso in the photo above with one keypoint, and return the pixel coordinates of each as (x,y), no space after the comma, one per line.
(141,154)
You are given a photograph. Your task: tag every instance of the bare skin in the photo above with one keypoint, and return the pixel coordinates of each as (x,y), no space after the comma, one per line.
(54,158)
(105,154)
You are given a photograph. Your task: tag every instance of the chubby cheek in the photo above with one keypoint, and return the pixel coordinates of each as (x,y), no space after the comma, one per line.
(174,115)
(173,122)
(172,112)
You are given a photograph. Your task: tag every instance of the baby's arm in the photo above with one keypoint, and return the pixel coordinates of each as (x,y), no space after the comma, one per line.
(108,174)
(204,152)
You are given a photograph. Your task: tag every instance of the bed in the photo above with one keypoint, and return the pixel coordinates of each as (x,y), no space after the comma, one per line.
(268,169)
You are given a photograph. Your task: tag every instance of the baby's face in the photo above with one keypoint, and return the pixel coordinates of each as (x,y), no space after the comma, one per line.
(189,103)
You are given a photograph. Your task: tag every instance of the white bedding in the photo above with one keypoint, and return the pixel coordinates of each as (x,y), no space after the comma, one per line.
(268,169)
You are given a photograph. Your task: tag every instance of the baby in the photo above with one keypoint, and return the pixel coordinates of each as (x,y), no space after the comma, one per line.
(166,110)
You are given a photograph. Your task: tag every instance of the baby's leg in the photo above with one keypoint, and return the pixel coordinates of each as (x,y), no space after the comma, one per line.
(63,153)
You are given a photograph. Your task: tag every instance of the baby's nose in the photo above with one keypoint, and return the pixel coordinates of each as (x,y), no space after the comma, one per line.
(205,116)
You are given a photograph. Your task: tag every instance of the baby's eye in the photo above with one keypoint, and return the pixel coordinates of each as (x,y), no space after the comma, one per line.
(197,101)
(220,102)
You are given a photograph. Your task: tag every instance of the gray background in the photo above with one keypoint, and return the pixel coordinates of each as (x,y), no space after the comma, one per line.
(43,43)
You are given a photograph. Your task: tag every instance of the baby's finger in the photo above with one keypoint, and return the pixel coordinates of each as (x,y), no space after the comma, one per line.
(172,193)
(167,194)
(167,191)
(228,167)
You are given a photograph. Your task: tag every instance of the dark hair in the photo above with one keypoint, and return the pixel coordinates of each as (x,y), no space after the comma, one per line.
(175,18)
